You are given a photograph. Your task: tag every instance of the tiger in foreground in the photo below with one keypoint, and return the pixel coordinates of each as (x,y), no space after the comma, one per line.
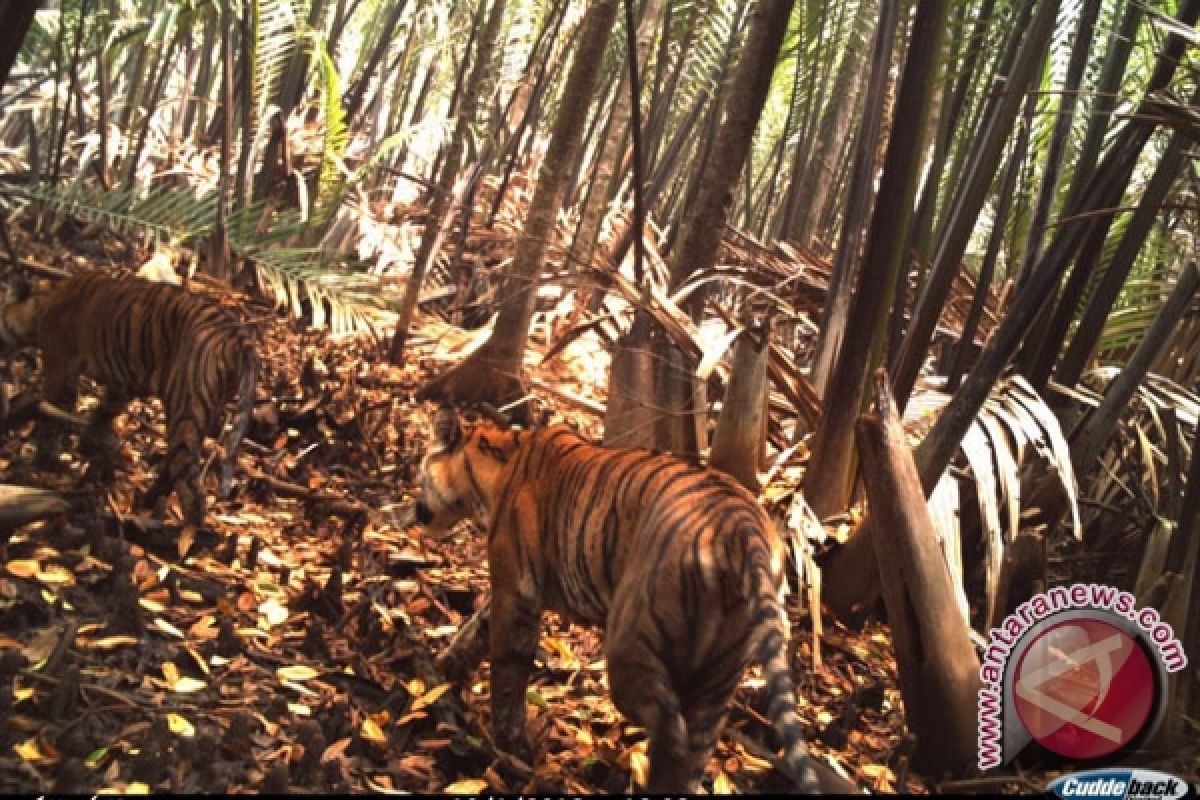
(677,562)
(140,339)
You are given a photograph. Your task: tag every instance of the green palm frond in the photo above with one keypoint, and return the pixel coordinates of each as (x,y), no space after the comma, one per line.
(347,301)
(330,182)
(166,214)
(276,26)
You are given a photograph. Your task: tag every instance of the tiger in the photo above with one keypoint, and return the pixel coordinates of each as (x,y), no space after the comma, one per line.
(140,339)
(677,562)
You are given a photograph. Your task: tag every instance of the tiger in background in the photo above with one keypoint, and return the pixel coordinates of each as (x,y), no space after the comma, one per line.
(677,562)
(140,339)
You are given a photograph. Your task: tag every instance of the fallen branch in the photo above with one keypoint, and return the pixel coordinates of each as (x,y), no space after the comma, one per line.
(331,503)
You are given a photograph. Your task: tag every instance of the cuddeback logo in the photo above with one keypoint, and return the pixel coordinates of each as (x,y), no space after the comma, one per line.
(1121,784)
(1078,671)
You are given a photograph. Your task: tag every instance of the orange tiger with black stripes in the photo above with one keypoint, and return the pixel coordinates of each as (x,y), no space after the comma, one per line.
(139,338)
(677,562)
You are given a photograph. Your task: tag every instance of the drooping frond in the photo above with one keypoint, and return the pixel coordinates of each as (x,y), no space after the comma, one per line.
(301,278)
(166,213)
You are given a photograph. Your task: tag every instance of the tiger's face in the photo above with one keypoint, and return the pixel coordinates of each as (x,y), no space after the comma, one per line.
(460,473)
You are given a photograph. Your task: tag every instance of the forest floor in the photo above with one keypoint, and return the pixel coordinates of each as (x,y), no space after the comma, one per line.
(289,644)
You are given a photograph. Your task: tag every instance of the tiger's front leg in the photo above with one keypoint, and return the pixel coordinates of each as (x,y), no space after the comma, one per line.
(99,441)
(60,387)
(516,621)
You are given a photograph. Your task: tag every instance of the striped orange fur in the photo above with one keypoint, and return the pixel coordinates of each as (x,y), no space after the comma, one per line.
(677,562)
(140,339)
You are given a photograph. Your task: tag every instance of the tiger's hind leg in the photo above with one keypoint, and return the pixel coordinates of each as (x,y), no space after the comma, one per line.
(642,690)
(705,711)
(241,420)
(180,470)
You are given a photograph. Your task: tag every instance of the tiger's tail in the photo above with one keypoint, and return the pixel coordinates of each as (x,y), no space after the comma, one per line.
(781,693)
(247,380)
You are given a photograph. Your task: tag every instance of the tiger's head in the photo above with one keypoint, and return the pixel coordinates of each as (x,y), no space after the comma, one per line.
(460,474)
(20,312)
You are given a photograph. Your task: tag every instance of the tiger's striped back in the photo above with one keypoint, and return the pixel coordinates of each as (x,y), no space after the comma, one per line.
(677,562)
(143,339)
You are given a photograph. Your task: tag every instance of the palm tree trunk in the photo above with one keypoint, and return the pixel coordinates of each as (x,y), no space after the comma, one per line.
(1091,325)
(968,201)
(833,128)
(699,245)
(828,482)
(843,281)
(492,372)
(431,237)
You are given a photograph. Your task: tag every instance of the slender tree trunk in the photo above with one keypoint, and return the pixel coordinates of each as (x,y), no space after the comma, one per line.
(701,240)
(195,121)
(1091,326)
(103,99)
(431,237)
(218,257)
(966,341)
(151,102)
(949,120)
(843,281)
(968,201)
(1105,190)
(241,187)
(833,129)
(1104,99)
(387,35)
(1090,437)
(73,70)
(493,371)
(828,482)
(1048,190)
(604,187)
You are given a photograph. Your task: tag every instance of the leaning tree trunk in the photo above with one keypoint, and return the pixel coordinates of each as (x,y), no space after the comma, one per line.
(606,183)
(493,372)
(677,422)
(858,201)
(818,180)
(828,483)
(968,200)
(440,202)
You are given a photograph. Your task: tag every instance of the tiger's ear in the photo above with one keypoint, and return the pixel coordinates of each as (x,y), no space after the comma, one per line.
(447,430)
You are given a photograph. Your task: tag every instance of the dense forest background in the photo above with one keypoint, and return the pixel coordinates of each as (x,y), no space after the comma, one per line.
(696,225)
